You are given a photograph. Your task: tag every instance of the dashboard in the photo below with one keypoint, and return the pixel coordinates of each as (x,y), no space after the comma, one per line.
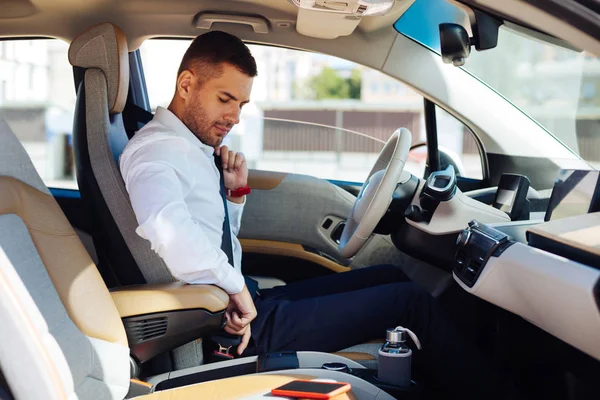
(575,193)
(547,271)
(541,263)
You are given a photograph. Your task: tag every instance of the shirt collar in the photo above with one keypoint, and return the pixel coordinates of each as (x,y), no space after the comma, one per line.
(170,120)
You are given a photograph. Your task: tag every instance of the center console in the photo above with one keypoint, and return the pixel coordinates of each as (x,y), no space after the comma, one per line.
(475,245)
(314,364)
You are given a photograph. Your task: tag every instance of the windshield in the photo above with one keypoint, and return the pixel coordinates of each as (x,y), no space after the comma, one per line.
(557,87)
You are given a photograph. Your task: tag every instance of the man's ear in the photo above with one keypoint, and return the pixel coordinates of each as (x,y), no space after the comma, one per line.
(185,80)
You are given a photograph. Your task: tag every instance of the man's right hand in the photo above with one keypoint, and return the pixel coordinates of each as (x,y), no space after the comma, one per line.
(239,314)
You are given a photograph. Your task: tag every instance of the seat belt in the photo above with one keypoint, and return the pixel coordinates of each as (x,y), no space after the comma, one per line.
(226,243)
(134,118)
(225,341)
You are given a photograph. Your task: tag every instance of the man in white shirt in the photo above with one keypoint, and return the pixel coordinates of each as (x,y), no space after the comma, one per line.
(173,182)
(174,186)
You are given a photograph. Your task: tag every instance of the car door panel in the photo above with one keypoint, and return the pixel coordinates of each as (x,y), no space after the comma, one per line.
(294,211)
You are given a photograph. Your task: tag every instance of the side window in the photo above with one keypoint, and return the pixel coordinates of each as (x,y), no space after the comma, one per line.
(458,144)
(37,100)
(309,113)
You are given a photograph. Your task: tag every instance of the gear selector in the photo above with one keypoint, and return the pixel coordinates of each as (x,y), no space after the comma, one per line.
(439,187)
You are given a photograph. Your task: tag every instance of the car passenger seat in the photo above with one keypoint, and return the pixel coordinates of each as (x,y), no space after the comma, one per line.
(61,336)
(64,308)
(100,57)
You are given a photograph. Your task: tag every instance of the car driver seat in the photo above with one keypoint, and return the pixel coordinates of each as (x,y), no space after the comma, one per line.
(100,58)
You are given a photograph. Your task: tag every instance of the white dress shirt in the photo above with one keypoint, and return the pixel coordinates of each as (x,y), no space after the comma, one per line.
(174,187)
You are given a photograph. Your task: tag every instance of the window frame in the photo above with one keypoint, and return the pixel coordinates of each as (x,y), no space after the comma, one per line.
(433,160)
(138,85)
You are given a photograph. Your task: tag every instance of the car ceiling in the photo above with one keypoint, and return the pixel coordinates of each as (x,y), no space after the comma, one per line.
(141,19)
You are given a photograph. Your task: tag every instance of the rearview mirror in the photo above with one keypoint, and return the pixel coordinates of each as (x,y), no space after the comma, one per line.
(455,44)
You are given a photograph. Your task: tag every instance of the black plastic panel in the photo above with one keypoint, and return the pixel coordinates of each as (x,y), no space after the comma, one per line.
(468,184)
(475,246)
(152,334)
(206,376)
(401,199)
(541,171)
(288,269)
(418,244)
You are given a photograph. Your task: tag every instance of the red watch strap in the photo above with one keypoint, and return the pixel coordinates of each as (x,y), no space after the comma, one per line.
(239,192)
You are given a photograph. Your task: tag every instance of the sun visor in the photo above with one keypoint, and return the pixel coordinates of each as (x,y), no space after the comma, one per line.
(17,9)
(325,25)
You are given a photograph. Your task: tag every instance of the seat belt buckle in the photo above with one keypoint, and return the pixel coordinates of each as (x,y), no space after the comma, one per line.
(225,344)
(223,352)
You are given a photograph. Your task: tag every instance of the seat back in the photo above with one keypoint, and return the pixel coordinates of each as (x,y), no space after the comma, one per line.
(58,321)
(99,137)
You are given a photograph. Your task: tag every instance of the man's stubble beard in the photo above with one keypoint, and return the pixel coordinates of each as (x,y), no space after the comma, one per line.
(197,122)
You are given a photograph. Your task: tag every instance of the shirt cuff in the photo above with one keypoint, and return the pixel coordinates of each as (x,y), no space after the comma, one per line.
(234,282)
(236,205)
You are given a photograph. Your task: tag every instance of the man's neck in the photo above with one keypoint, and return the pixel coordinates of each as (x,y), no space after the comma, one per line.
(175,109)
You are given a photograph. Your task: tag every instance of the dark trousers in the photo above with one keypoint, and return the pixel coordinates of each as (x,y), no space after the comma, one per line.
(337,311)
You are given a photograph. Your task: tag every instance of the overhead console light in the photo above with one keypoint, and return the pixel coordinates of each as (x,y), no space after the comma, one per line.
(358,8)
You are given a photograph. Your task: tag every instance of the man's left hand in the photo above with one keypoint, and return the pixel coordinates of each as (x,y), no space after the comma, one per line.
(235,170)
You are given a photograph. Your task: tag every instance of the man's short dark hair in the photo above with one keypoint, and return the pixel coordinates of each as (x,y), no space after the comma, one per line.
(208,51)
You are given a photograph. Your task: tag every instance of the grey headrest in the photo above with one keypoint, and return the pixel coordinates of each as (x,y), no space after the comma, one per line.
(104,47)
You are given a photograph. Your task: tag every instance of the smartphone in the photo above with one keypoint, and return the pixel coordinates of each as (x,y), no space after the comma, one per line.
(304,389)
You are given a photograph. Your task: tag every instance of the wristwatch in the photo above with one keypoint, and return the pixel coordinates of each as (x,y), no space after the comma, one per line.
(239,192)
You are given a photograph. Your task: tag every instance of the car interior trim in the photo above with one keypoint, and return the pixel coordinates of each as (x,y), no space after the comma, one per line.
(265,180)
(152,298)
(289,250)
(453,215)
(551,292)
(306,359)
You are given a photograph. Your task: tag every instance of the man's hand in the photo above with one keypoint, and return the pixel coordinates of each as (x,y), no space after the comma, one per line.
(235,170)
(239,314)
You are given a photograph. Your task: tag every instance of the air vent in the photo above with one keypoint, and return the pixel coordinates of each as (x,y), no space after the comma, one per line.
(361,9)
(146,329)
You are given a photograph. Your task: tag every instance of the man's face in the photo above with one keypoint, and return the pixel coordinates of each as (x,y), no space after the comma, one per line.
(213,107)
